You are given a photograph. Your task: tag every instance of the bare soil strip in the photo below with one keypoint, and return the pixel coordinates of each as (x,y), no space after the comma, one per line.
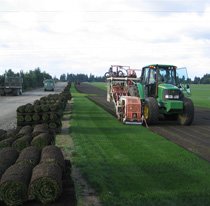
(195,138)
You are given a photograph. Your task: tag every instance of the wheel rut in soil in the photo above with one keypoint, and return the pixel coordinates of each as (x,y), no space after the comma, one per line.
(195,138)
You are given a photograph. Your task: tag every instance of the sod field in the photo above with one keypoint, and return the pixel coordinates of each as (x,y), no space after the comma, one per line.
(130,165)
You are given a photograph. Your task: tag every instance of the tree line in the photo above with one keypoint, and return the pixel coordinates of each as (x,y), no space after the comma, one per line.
(92,78)
(81,78)
(31,79)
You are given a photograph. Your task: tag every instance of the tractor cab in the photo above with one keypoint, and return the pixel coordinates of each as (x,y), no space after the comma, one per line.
(165,91)
(154,75)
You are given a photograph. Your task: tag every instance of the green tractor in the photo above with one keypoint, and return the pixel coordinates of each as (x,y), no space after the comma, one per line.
(164,91)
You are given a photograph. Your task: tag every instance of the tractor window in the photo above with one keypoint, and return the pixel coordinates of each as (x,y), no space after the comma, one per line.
(152,77)
(145,76)
(166,75)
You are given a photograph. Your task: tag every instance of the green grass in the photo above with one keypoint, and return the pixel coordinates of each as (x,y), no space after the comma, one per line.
(101,85)
(129,165)
(201,95)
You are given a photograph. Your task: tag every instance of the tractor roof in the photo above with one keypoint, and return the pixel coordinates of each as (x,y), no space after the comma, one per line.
(159,65)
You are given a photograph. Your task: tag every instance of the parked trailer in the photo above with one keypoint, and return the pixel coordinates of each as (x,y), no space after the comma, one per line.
(11,85)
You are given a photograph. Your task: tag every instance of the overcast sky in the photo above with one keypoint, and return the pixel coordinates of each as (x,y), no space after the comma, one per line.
(87,36)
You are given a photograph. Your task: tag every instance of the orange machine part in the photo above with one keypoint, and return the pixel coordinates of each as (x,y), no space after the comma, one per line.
(133,109)
(118,91)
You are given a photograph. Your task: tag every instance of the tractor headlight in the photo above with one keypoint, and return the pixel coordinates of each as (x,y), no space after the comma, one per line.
(168,96)
(172,94)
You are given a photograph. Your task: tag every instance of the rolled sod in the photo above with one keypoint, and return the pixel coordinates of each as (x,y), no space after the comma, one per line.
(22,142)
(45,107)
(46,183)
(28,118)
(6,142)
(40,128)
(36,117)
(29,108)
(20,118)
(8,156)
(29,155)
(25,130)
(37,108)
(14,184)
(45,117)
(54,107)
(21,109)
(53,117)
(53,154)
(41,140)
(53,125)
(37,102)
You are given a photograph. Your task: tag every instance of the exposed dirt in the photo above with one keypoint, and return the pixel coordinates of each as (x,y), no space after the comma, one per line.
(195,138)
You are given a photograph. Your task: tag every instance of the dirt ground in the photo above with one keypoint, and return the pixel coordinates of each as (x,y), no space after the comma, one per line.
(195,138)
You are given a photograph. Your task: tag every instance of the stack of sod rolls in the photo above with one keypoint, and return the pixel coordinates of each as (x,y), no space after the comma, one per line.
(48,109)
(46,181)
(15,180)
(39,136)
(33,174)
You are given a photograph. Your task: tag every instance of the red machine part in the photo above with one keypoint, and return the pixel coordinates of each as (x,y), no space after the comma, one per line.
(119,91)
(132,109)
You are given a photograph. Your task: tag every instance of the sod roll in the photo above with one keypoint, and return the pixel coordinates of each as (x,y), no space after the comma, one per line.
(46,183)
(22,142)
(37,108)
(14,184)
(8,156)
(40,128)
(45,117)
(45,107)
(6,142)
(36,117)
(28,118)
(20,118)
(25,130)
(29,155)
(53,154)
(21,109)
(29,108)
(41,140)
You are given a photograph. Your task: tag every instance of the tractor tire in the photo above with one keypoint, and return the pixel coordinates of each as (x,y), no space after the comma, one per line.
(151,111)
(187,117)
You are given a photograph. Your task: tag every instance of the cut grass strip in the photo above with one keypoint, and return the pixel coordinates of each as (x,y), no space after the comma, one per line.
(129,165)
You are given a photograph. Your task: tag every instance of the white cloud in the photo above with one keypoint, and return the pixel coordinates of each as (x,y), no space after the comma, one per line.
(88,36)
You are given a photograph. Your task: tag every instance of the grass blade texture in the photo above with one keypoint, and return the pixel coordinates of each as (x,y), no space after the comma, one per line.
(14,184)
(46,183)
(130,165)
(8,157)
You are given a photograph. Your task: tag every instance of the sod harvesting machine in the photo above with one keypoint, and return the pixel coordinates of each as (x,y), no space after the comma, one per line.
(161,91)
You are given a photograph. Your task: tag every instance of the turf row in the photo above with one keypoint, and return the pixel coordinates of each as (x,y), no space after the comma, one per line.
(129,165)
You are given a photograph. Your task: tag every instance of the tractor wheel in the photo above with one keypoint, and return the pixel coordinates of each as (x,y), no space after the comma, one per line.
(151,110)
(186,118)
